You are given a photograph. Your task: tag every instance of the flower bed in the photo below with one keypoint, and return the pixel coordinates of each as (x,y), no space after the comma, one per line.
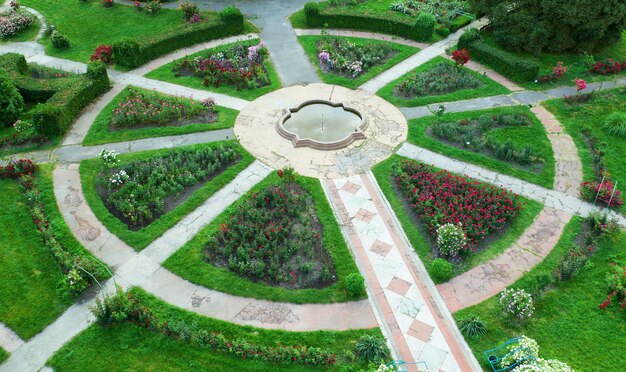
(240,66)
(275,237)
(444,10)
(439,197)
(471,134)
(342,57)
(14,22)
(141,191)
(141,108)
(442,79)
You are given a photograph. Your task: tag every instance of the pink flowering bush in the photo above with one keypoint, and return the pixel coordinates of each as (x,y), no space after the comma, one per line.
(607,195)
(340,56)
(581,84)
(14,22)
(608,67)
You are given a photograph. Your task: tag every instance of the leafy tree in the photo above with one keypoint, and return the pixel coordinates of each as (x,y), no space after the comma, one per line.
(554,25)
(11,102)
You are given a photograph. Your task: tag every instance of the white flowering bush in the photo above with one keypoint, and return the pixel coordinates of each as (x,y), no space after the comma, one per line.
(451,239)
(543,365)
(343,57)
(15,21)
(109,158)
(525,355)
(517,303)
(119,178)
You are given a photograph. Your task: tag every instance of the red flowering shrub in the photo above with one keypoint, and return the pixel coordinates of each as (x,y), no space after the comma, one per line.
(461,56)
(608,67)
(18,168)
(616,287)
(605,191)
(102,53)
(440,197)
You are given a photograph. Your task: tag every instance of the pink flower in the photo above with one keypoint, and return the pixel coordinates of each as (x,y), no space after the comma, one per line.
(581,84)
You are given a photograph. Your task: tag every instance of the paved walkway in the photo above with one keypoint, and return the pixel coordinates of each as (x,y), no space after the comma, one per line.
(9,340)
(418,59)
(550,198)
(412,314)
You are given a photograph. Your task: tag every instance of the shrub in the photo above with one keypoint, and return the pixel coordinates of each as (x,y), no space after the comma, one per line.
(441,269)
(18,168)
(615,124)
(338,55)
(571,264)
(615,287)
(524,351)
(451,240)
(605,191)
(97,71)
(189,9)
(231,15)
(59,41)
(15,21)
(517,303)
(102,53)
(311,11)
(461,56)
(425,26)
(113,308)
(601,226)
(109,158)
(355,284)
(371,349)
(11,101)
(442,79)
(472,327)
(153,7)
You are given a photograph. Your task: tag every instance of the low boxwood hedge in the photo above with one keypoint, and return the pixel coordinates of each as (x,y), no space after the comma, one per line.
(510,65)
(421,29)
(64,97)
(130,53)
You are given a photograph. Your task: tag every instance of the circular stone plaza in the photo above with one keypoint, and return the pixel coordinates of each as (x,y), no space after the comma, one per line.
(289,185)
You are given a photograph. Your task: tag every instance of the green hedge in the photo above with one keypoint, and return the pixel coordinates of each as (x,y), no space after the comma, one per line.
(421,29)
(64,97)
(131,53)
(510,65)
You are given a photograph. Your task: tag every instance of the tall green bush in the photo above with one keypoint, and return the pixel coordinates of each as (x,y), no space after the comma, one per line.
(425,26)
(11,102)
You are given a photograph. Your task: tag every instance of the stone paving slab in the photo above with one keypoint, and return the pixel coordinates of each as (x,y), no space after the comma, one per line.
(163,247)
(490,278)
(413,316)
(362,34)
(9,340)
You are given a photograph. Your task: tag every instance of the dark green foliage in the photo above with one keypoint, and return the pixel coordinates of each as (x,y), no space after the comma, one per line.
(97,71)
(615,124)
(424,26)
(441,270)
(11,102)
(131,54)
(311,11)
(113,308)
(371,349)
(472,327)
(514,67)
(59,41)
(554,25)
(355,284)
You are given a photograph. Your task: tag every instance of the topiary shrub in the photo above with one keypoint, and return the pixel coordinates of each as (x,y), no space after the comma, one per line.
(355,284)
(127,52)
(312,14)
(441,269)
(371,349)
(615,124)
(11,102)
(425,26)
(231,15)
(97,71)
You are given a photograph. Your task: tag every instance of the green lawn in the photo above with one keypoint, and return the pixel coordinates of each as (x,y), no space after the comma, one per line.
(165,73)
(418,238)
(576,67)
(100,132)
(401,52)
(141,238)
(29,275)
(488,88)
(593,114)
(29,34)
(4,355)
(188,262)
(89,24)
(128,347)
(567,323)
(519,135)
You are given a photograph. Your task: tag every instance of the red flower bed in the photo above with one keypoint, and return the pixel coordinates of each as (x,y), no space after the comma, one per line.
(18,168)
(440,197)
(605,191)
(608,67)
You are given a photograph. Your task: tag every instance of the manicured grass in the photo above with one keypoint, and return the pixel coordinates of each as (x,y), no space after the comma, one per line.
(28,34)
(593,114)
(576,67)
(141,238)
(165,73)
(126,346)
(100,132)
(29,274)
(401,53)
(188,262)
(489,88)
(419,239)
(89,24)
(567,323)
(519,135)
(3,355)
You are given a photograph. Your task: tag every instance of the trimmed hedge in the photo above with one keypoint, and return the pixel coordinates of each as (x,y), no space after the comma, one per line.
(510,65)
(131,53)
(420,30)
(64,97)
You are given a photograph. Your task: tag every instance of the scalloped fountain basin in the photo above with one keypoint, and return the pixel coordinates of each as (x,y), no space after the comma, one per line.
(322,125)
